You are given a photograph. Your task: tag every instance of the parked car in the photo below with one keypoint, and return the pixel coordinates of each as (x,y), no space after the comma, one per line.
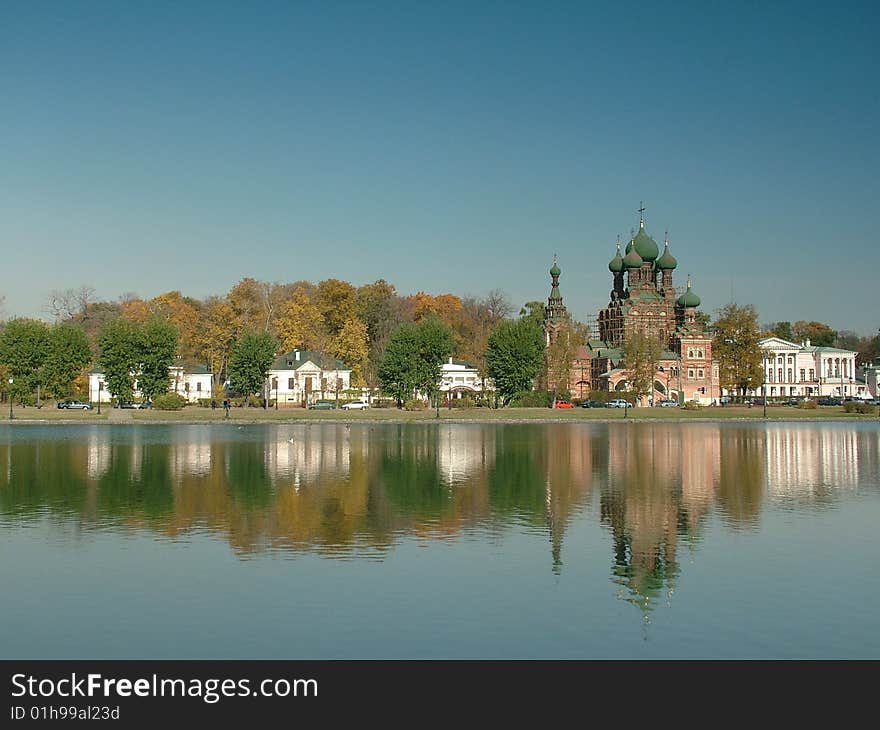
(562,404)
(75,405)
(322,405)
(593,404)
(619,403)
(828,401)
(355,405)
(130,404)
(668,403)
(758,401)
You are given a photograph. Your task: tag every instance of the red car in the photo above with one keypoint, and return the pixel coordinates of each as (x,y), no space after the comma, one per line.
(562,404)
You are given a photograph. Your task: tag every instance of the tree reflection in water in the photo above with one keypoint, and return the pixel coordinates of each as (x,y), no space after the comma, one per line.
(357,491)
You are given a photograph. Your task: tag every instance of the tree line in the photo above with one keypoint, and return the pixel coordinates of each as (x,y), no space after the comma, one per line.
(391,341)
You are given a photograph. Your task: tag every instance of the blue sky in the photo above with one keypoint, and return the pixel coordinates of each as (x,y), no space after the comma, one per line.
(442,146)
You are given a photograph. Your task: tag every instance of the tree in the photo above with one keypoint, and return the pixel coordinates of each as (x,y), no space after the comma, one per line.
(352,348)
(414,358)
(641,355)
(435,345)
(818,333)
(300,324)
(533,311)
(250,362)
(24,347)
(69,354)
(782,330)
(399,367)
(120,346)
(215,336)
(337,302)
(158,348)
(186,316)
(560,356)
(735,345)
(515,355)
(70,304)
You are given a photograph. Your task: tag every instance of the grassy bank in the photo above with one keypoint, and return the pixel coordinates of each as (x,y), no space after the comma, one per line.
(288,415)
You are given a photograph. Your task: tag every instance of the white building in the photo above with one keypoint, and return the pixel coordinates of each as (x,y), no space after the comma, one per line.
(462,378)
(805,370)
(189,380)
(871,375)
(303,376)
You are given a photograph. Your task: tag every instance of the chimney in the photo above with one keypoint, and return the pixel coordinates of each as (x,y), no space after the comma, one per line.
(296,355)
(450,359)
(808,343)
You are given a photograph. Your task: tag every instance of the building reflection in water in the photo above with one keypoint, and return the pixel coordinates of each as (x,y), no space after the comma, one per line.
(356,491)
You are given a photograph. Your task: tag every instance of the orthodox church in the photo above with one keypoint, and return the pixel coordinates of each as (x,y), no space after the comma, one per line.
(643,299)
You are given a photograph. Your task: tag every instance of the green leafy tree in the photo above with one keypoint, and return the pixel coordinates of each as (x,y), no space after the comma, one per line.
(533,311)
(24,347)
(250,362)
(515,356)
(782,330)
(641,356)
(398,370)
(735,345)
(414,358)
(120,346)
(158,348)
(69,355)
(435,345)
(818,333)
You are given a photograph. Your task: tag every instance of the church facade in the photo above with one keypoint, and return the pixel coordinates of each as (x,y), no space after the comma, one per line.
(644,299)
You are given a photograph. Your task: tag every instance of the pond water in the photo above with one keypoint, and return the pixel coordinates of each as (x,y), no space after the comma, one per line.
(581,540)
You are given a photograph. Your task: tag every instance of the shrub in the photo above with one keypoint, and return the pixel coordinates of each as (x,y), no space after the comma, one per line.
(808,405)
(600,396)
(463,402)
(692,405)
(853,407)
(532,399)
(414,404)
(169,402)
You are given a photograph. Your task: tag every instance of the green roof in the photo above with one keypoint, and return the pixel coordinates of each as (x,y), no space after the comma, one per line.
(666,261)
(644,245)
(632,260)
(288,361)
(820,348)
(689,299)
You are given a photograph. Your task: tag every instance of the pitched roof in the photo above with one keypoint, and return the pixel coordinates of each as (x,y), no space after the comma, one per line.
(290,361)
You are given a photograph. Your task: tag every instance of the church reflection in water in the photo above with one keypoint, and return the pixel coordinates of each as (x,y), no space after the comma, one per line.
(356,491)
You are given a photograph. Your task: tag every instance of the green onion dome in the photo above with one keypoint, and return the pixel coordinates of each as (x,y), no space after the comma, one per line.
(689,300)
(666,261)
(616,264)
(555,270)
(632,260)
(645,245)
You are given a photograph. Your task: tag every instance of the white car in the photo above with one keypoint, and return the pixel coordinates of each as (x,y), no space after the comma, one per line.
(619,404)
(355,405)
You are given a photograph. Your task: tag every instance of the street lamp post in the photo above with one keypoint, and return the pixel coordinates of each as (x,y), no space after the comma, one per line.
(764,381)
(100,388)
(10,399)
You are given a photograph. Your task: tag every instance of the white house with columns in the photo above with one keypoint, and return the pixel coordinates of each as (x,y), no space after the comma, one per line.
(806,370)
(303,376)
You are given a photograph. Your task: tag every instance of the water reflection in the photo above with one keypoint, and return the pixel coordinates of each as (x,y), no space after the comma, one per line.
(355,491)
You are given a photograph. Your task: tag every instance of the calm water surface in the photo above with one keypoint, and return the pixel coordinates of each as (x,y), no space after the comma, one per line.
(478,540)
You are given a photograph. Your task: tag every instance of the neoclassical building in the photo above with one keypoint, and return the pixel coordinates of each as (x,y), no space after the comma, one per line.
(803,370)
(643,299)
